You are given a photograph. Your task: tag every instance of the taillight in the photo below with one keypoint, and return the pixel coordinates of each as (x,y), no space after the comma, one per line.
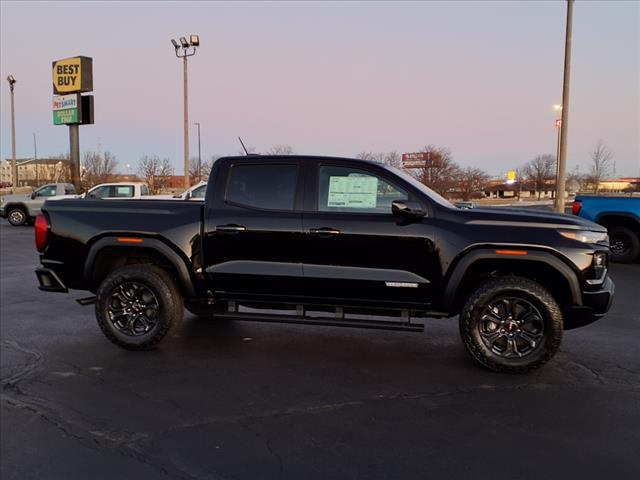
(41,228)
(577,205)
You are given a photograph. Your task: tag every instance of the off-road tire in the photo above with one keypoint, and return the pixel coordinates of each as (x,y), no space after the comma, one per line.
(17,216)
(512,287)
(633,241)
(169,299)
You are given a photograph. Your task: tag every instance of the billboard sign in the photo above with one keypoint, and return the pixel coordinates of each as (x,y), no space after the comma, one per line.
(72,75)
(67,109)
(420,159)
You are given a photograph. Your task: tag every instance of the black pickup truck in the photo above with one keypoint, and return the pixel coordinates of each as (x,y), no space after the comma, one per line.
(329,241)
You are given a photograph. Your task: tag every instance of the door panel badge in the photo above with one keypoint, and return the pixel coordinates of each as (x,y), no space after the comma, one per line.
(401,284)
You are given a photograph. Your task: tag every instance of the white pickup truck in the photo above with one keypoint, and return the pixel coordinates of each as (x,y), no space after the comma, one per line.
(22,208)
(130,190)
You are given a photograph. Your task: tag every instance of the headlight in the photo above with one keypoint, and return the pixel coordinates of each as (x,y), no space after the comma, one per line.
(585,236)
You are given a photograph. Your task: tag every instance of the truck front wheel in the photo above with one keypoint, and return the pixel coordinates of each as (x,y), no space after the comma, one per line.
(511,324)
(138,305)
(17,216)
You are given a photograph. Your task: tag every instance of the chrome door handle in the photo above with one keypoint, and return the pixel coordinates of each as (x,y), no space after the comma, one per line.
(324,231)
(230,228)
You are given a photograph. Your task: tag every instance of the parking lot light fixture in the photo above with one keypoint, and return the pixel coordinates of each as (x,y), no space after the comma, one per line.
(187,50)
(14,166)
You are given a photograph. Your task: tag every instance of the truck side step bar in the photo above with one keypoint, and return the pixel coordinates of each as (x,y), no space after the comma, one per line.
(337,321)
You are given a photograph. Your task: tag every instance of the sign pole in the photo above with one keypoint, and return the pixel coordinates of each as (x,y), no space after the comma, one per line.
(74,150)
(564,121)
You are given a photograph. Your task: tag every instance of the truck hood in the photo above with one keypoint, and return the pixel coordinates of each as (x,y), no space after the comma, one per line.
(527,218)
(19,197)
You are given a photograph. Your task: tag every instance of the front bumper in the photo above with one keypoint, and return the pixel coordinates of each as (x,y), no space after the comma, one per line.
(594,305)
(50,281)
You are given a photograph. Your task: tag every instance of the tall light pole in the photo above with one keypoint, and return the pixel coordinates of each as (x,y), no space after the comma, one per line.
(199,154)
(185,49)
(562,161)
(557,108)
(35,157)
(14,165)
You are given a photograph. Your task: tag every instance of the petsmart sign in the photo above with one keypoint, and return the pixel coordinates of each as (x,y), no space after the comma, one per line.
(67,109)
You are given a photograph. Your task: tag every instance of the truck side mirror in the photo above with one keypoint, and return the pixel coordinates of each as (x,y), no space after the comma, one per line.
(407,209)
(33,196)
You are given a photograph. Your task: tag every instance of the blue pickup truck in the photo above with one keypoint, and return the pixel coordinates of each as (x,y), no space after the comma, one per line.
(621,216)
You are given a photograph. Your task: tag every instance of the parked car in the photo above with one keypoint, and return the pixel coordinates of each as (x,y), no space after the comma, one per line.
(118,190)
(196,192)
(331,239)
(621,216)
(22,208)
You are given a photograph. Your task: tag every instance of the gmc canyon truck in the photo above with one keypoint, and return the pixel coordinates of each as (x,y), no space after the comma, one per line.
(329,241)
(621,216)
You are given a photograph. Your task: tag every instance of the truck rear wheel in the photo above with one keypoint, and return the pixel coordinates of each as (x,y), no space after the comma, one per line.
(625,245)
(511,324)
(138,305)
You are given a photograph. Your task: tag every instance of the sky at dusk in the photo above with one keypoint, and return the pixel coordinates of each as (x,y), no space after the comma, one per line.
(332,78)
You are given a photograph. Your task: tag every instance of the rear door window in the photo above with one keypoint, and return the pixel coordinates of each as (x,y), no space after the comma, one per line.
(123,191)
(264,186)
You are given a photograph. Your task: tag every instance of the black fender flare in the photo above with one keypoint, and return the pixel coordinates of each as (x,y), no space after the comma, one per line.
(186,282)
(461,267)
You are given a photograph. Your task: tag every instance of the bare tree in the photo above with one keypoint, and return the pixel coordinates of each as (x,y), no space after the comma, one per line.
(156,172)
(98,167)
(540,170)
(472,180)
(205,169)
(442,174)
(281,150)
(601,164)
(575,180)
(390,158)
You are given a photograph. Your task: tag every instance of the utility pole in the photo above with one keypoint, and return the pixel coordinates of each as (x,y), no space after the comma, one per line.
(14,164)
(564,122)
(35,158)
(188,49)
(199,154)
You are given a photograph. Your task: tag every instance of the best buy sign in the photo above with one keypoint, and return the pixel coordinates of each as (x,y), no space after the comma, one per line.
(67,109)
(73,74)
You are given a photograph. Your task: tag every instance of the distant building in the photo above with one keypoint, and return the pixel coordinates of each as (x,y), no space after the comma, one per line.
(33,172)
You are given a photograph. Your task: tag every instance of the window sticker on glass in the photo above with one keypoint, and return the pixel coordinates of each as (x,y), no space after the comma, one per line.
(353,192)
(123,191)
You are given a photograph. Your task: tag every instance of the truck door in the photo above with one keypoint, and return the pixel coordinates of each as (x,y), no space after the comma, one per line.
(356,248)
(253,228)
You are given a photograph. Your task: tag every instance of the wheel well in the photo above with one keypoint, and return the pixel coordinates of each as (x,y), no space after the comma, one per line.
(610,221)
(540,272)
(112,257)
(22,207)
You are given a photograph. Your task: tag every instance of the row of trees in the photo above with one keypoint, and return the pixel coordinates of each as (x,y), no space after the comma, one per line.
(444,176)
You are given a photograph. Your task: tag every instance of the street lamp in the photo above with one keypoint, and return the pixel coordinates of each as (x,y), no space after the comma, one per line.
(199,154)
(14,166)
(183,50)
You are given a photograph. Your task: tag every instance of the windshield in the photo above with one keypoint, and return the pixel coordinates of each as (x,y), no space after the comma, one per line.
(439,199)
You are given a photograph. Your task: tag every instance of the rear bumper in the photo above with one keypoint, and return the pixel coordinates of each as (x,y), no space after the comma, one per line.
(50,281)
(594,305)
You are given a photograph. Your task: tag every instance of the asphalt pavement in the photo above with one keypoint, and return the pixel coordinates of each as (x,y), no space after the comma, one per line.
(245,400)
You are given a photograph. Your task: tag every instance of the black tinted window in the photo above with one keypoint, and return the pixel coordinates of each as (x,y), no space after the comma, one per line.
(269,187)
